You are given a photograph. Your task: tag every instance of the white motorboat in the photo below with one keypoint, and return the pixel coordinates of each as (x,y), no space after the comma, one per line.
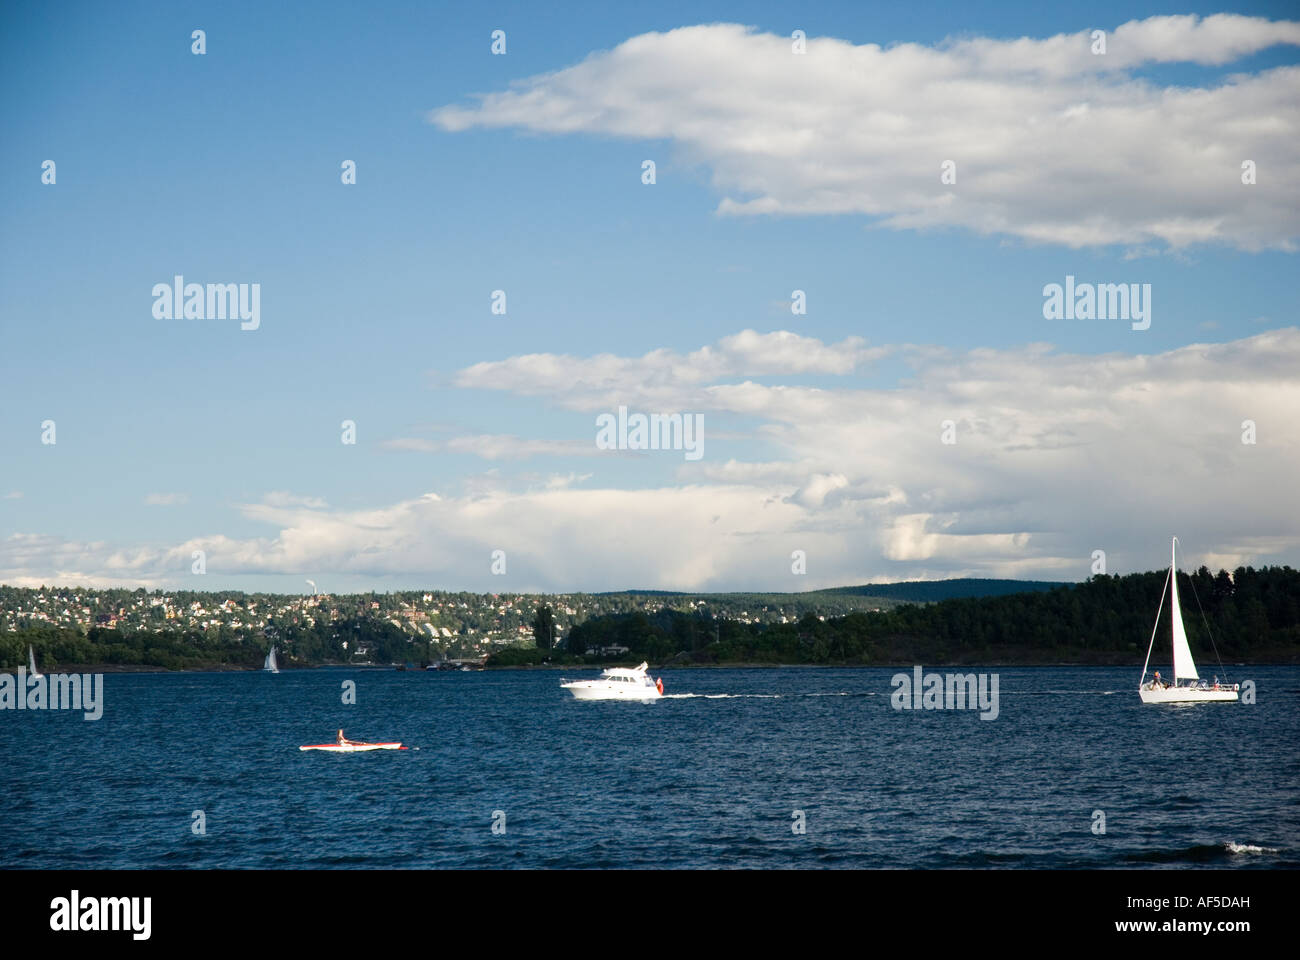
(1187,686)
(617,683)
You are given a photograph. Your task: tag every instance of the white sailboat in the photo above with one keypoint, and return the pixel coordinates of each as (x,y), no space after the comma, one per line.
(31,664)
(1186,686)
(271,665)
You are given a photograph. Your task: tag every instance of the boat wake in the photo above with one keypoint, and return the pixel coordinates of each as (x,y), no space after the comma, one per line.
(1066,693)
(764,696)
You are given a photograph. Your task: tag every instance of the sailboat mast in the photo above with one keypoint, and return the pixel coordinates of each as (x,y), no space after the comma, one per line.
(1175,621)
(1154,627)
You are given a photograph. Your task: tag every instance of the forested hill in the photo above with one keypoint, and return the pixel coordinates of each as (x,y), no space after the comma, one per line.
(909,591)
(1253,615)
(932,591)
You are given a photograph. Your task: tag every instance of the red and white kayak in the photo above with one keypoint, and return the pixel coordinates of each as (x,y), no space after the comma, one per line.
(353,747)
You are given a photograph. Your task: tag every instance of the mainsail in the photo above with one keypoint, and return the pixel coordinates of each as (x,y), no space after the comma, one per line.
(1184,665)
(31,659)
(270,662)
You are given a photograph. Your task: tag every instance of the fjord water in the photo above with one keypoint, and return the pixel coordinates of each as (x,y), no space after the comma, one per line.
(709,777)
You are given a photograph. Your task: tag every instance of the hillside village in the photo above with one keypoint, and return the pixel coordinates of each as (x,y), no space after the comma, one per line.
(439,623)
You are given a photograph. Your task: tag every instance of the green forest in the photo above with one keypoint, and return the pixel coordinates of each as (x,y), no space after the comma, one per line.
(1251,615)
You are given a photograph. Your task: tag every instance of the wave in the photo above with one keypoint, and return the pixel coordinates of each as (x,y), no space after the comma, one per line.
(1200,853)
(1248,848)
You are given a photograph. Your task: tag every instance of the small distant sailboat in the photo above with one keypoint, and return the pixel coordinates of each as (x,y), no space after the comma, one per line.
(1187,686)
(271,665)
(31,664)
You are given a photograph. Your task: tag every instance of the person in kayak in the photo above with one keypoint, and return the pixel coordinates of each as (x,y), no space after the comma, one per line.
(343,741)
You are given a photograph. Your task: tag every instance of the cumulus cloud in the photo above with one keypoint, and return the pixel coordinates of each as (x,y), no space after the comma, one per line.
(1051,143)
(1056,455)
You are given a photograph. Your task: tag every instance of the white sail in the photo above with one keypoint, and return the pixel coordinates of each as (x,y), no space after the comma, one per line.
(1184,665)
(31,659)
(270,663)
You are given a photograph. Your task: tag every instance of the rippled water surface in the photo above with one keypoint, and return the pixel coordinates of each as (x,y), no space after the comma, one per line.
(709,777)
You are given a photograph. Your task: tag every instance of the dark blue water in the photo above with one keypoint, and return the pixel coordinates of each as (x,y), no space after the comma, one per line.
(710,780)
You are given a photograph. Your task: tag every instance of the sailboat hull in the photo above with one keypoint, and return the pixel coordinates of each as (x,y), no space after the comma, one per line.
(1186,695)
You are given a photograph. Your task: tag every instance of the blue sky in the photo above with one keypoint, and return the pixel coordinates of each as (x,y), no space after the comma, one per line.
(375,300)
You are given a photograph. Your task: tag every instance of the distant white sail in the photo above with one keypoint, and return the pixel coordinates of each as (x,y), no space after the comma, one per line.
(271,664)
(1184,665)
(31,660)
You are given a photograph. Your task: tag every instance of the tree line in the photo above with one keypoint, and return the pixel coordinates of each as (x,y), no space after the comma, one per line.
(1250,614)
(298,643)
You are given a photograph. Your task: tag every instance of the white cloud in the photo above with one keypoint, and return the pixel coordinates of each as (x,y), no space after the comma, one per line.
(416,444)
(1056,455)
(506,447)
(281,498)
(1052,143)
(664,380)
(166,499)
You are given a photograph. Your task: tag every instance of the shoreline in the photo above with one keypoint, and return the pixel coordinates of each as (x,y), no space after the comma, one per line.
(136,668)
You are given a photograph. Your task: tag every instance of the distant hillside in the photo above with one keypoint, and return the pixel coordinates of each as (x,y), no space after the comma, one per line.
(910,591)
(1250,614)
(932,591)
